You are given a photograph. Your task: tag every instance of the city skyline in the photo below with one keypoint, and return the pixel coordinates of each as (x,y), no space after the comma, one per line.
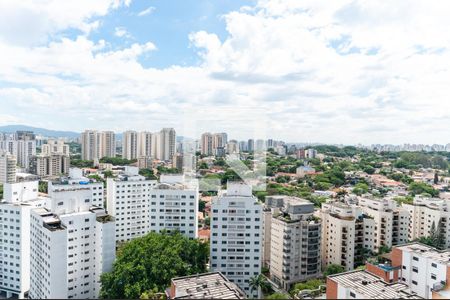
(310,65)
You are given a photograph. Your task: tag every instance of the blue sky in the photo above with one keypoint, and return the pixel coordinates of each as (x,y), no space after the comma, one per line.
(168,26)
(348,71)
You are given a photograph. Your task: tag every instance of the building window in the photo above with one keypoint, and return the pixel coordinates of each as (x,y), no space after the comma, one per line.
(415,258)
(415,269)
(434,265)
(433,276)
(414,282)
(352,295)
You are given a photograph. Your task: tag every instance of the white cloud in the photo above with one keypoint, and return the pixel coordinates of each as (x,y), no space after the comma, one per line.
(29,22)
(121,32)
(146,11)
(340,71)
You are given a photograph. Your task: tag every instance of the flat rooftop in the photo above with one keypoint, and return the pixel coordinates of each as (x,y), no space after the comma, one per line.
(206,286)
(442,256)
(373,287)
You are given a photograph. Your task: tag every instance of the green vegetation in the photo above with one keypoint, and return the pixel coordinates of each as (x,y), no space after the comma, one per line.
(117,161)
(406,200)
(415,160)
(164,170)
(360,188)
(79,163)
(420,188)
(147,264)
(313,284)
(43,187)
(148,174)
(277,296)
(1,191)
(333,269)
(260,282)
(436,238)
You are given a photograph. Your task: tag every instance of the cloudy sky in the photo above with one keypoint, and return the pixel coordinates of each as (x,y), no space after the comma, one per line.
(299,70)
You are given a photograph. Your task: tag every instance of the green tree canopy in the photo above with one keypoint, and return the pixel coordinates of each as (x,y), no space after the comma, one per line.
(150,262)
(333,269)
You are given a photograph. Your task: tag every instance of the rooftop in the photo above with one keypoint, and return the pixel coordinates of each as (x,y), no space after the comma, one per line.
(442,256)
(372,287)
(205,286)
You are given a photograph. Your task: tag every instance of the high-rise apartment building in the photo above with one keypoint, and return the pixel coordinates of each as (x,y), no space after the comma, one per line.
(75,181)
(19,199)
(130,144)
(206,144)
(343,235)
(22,145)
(55,147)
(236,235)
(424,214)
(107,144)
(96,145)
(167,143)
(141,206)
(145,144)
(90,145)
(251,145)
(390,223)
(7,167)
(295,238)
(49,165)
(72,243)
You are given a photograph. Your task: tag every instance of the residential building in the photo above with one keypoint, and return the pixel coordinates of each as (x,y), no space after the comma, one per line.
(212,285)
(107,144)
(7,167)
(391,223)
(251,145)
(219,142)
(130,145)
(19,199)
(141,206)
(343,235)
(167,143)
(232,147)
(236,235)
(72,243)
(294,241)
(55,147)
(145,144)
(206,146)
(424,214)
(424,269)
(76,181)
(365,285)
(90,148)
(49,165)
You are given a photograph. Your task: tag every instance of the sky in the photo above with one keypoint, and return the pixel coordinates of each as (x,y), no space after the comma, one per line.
(344,71)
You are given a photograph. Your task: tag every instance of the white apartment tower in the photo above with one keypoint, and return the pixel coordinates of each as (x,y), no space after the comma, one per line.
(236,235)
(107,141)
(7,168)
(90,145)
(145,144)
(130,144)
(19,199)
(294,241)
(49,165)
(206,146)
(390,222)
(141,206)
(72,244)
(55,147)
(167,143)
(343,235)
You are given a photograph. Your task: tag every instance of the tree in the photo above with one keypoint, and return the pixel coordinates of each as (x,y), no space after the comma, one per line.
(418,188)
(148,174)
(150,262)
(1,191)
(43,187)
(259,283)
(278,296)
(333,269)
(108,174)
(360,188)
(436,178)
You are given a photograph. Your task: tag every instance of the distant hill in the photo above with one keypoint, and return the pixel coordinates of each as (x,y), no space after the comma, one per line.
(40,131)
